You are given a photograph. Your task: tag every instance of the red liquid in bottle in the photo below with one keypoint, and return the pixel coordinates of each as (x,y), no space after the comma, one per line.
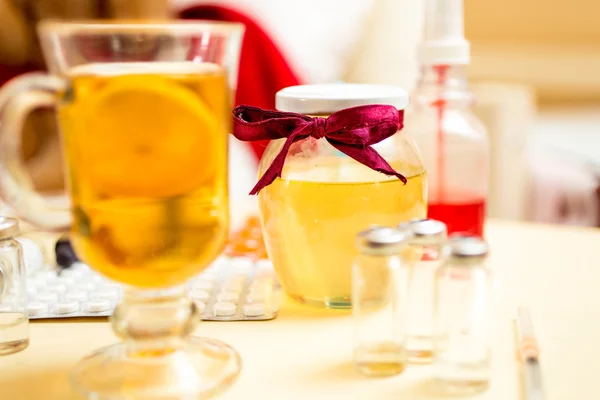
(460,212)
(440,104)
(467,216)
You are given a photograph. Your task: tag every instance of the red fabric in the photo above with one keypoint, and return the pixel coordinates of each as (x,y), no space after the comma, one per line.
(7,72)
(351,131)
(263,69)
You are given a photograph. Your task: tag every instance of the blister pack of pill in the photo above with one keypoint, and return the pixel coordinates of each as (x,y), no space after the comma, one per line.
(231,289)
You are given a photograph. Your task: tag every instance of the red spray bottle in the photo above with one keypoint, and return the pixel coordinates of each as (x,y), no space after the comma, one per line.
(453,142)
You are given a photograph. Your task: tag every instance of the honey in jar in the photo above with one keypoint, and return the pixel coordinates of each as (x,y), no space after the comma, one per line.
(312,213)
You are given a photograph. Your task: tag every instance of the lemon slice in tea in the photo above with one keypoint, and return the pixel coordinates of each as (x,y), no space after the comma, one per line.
(148,133)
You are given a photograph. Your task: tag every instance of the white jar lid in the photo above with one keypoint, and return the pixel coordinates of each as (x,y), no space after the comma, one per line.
(329,98)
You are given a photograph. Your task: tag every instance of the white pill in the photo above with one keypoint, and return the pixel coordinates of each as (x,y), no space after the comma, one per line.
(200,305)
(66,273)
(202,285)
(86,287)
(80,274)
(257,297)
(260,287)
(229,296)
(31,290)
(80,266)
(242,263)
(76,296)
(66,280)
(213,269)
(224,309)
(99,305)
(254,310)
(36,282)
(49,276)
(264,274)
(57,288)
(265,281)
(67,307)
(47,297)
(264,265)
(36,308)
(112,286)
(219,262)
(209,276)
(233,286)
(76,270)
(201,295)
(105,295)
(237,277)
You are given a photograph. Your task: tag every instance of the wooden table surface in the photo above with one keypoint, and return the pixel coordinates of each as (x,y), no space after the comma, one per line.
(305,353)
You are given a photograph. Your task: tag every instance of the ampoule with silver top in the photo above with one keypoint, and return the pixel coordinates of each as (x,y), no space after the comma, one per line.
(14,322)
(423,255)
(463,290)
(379,300)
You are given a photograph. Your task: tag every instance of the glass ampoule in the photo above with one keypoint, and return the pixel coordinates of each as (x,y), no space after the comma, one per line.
(379,302)
(463,289)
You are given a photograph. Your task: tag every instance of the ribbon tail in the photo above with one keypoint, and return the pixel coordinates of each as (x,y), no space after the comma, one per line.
(367,156)
(276,167)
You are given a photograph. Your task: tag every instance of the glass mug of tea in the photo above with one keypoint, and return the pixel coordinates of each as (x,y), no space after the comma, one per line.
(144,113)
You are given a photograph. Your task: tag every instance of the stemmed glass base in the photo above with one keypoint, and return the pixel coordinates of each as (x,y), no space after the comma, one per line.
(158,359)
(200,369)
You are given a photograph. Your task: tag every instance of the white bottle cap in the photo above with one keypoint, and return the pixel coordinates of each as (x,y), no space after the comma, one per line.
(323,99)
(444,39)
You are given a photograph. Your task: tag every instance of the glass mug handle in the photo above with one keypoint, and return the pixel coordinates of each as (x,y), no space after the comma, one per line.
(18,98)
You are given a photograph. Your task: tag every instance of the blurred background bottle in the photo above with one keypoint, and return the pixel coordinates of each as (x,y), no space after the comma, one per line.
(453,142)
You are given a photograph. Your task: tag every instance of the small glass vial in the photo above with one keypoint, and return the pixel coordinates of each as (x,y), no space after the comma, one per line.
(379,297)
(463,288)
(425,252)
(14,323)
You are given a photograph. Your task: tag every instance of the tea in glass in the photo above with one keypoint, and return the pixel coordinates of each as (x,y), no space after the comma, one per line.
(146,146)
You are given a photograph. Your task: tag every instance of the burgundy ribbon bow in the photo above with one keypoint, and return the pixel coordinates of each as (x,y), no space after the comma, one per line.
(352,131)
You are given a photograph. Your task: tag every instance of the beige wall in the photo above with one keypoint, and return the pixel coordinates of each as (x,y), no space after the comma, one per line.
(554,45)
(534,21)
